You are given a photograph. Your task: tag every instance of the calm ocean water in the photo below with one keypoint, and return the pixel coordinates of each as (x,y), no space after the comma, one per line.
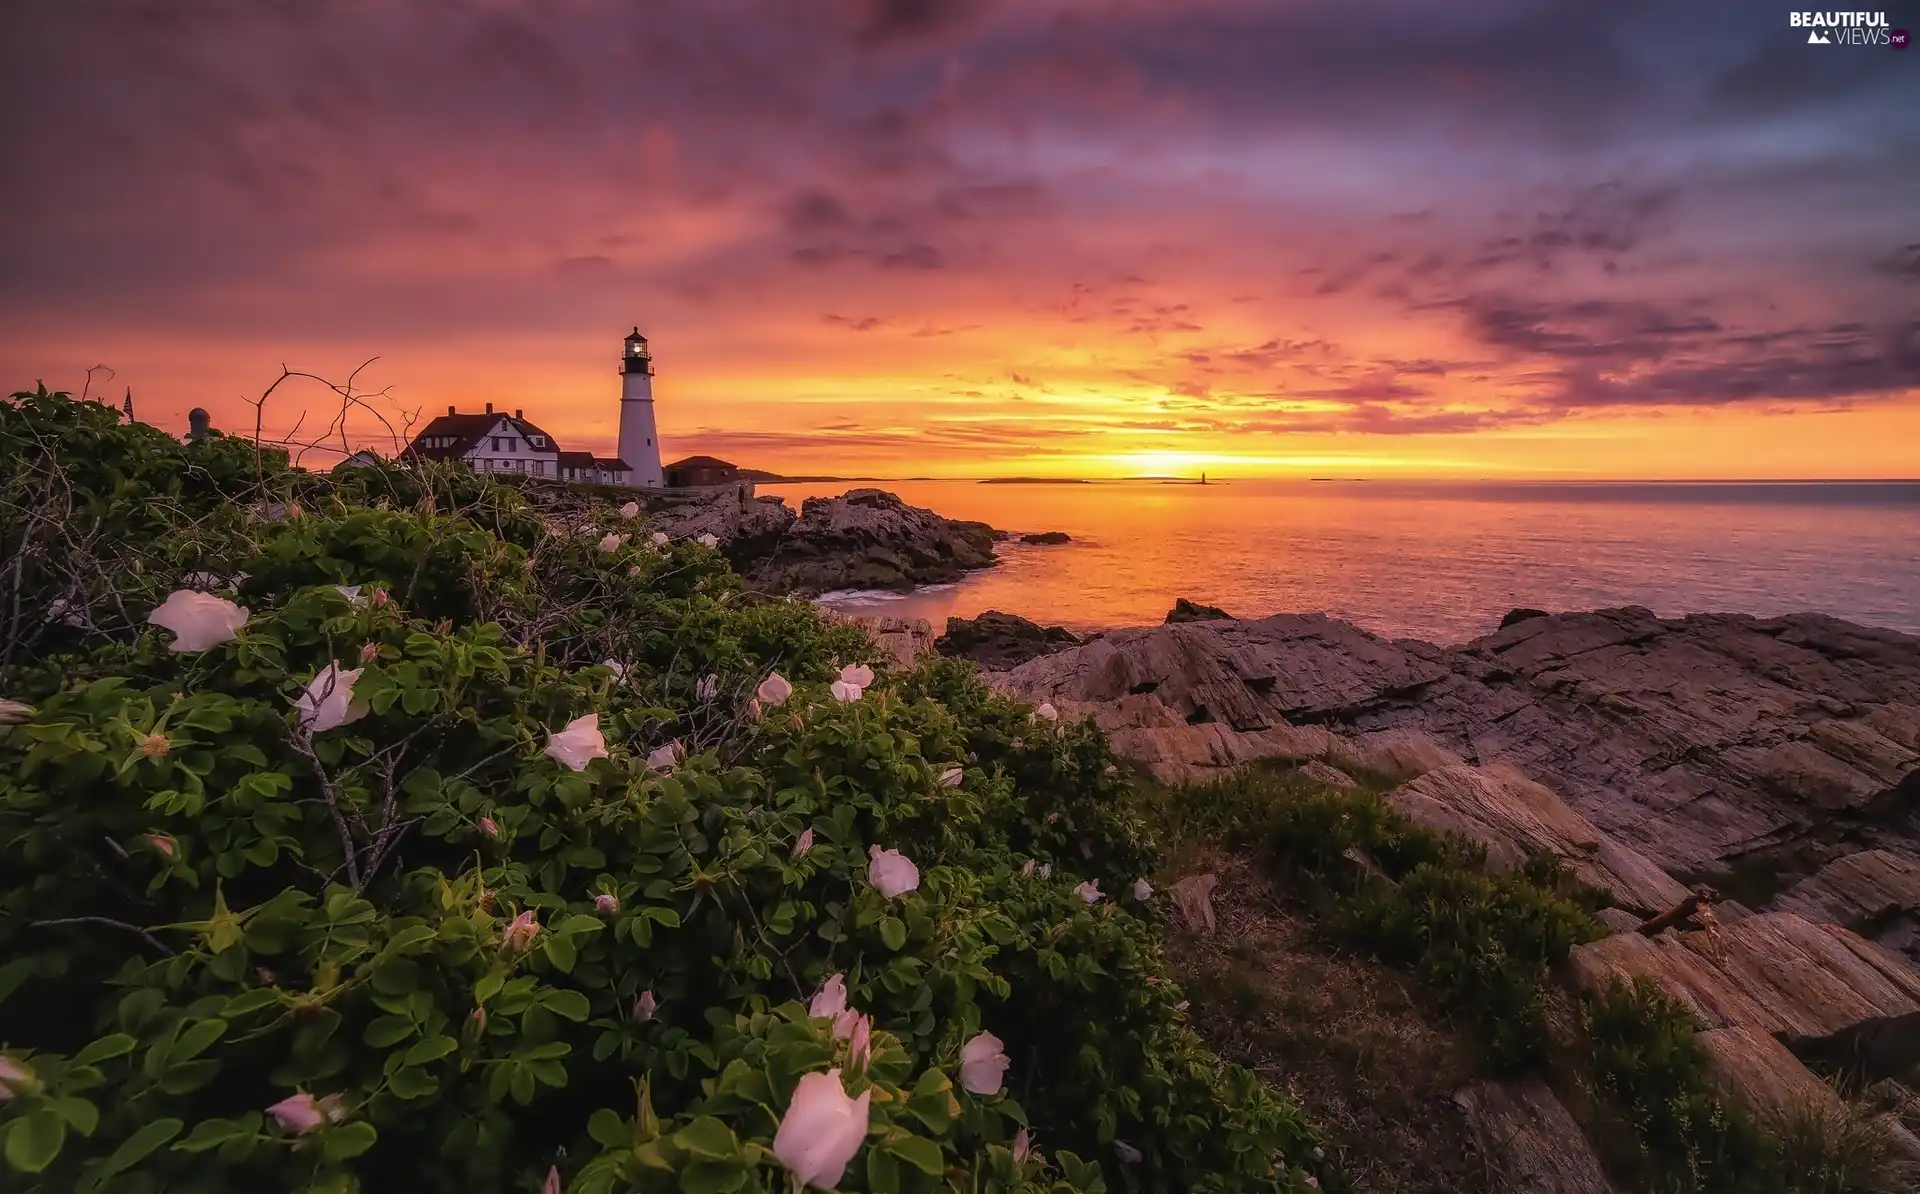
(1432,560)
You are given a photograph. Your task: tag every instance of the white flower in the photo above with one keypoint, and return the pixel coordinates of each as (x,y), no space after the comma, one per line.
(618,669)
(804,845)
(611,541)
(658,539)
(12,713)
(579,744)
(1089,891)
(630,510)
(843,691)
(1046,870)
(951,777)
(707,688)
(857,674)
(351,593)
(773,690)
(1142,890)
(663,758)
(328,701)
(822,1130)
(891,872)
(707,541)
(830,1000)
(1126,1152)
(983,1064)
(198,620)
(1046,712)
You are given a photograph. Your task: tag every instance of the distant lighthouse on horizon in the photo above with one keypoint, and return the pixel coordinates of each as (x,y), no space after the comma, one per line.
(639,438)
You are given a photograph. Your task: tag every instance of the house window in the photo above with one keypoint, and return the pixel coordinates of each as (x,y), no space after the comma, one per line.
(496,443)
(538,441)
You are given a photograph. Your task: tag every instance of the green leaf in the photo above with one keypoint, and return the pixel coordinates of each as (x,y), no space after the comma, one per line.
(212,1133)
(134,1148)
(893,932)
(570,1004)
(194,1041)
(35,1141)
(607,1128)
(349,1140)
(922,1154)
(708,1138)
(431,1049)
(82,1116)
(560,951)
(117,1044)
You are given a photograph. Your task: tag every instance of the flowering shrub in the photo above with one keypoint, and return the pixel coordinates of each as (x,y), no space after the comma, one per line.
(371,885)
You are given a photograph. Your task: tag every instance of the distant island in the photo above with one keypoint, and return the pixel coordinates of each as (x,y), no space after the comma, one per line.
(1033,481)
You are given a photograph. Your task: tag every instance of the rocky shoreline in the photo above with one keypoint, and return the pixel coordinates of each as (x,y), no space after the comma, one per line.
(863,539)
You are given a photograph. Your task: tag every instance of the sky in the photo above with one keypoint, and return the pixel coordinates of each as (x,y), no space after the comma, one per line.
(1531,238)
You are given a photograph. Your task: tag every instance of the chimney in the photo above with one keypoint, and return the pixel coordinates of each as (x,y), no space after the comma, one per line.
(516,412)
(453,410)
(489,408)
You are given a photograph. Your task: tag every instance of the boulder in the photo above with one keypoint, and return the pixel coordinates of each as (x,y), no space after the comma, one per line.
(1191,611)
(1047,538)
(1193,896)
(1515,819)
(904,639)
(1828,994)
(998,641)
(1534,1142)
(1520,615)
(1247,675)
(863,539)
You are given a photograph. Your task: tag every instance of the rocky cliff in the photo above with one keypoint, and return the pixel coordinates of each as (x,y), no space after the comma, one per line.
(1755,754)
(863,539)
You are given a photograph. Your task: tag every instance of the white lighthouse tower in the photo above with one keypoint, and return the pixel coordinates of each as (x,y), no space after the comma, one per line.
(639,440)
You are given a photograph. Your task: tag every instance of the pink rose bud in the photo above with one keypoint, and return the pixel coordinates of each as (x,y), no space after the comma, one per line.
(380,598)
(1021,1146)
(805,844)
(521,932)
(488,827)
(369,652)
(266,976)
(298,1114)
(163,843)
(16,1078)
(552,1184)
(606,901)
(476,1024)
(644,1007)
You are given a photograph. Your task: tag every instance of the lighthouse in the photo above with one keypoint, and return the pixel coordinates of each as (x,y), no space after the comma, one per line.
(639,440)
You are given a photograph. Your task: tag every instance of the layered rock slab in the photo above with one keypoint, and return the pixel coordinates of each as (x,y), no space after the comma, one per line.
(1828,994)
(1516,819)
(1540,1147)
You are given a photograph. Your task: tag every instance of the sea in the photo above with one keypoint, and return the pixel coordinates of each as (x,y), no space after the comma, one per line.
(1440,561)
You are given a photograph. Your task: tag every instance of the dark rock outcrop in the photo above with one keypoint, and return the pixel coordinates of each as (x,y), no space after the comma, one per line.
(864,539)
(1516,616)
(1047,538)
(1192,611)
(997,641)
